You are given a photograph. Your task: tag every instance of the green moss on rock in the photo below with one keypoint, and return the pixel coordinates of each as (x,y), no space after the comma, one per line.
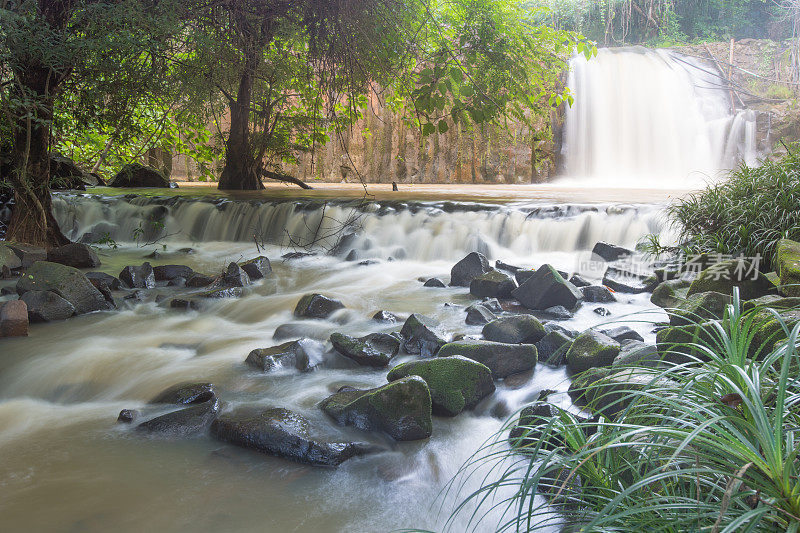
(670,294)
(68,282)
(502,359)
(591,349)
(724,276)
(700,307)
(787,261)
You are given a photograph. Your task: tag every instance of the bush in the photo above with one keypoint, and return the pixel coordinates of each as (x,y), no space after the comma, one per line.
(747,214)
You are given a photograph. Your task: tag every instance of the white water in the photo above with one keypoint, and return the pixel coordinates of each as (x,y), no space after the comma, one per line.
(648,118)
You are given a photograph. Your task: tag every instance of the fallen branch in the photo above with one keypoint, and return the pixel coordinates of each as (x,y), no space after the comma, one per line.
(286,178)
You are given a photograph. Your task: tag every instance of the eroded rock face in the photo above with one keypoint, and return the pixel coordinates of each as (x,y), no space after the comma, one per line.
(75,255)
(456,383)
(316,306)
(402,409)
(45,306)
(298,354)
(547,288)
(502,359)
(375,349)
(283,433)
(723,277)
(420,336)
(591,349)
(469,268)
(519,329)
(67,282)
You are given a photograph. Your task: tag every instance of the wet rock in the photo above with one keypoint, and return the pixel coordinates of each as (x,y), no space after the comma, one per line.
(75,255)
(591,349)
(469,268)
(68,282)
(455,383)
(45,306)
(127,416)
(420,336)
(723,277)
(478,315)
(186,393)
(772,300)
(610,252)
(226,292)
(283,433)
(137,175)
(177,282)
(184,304)
(501,358)
(183,422)
(579,281)
(670,294)
(170,272)
(434,283)
(635,353)
(234,276)
(557,312)
(26,253)
(622,333)
(138,277)
(493,284)
(375,349)
(529,427)
(492,304)
(569,332)
(552,348)
(787,265)
(519,329)
(317,306)
(9,259)
(499,265)
(700,307)
(199,281)
(620,279)
(547,288)
(297,354)
(385,316)
(402,409)
(602,311)
(14,319)
(597,294)
(108,280)
(257,268)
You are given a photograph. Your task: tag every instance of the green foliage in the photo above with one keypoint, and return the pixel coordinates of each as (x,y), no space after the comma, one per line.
(707,445)
(746,213)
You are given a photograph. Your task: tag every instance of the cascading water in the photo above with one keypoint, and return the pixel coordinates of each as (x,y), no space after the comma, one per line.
(651,118)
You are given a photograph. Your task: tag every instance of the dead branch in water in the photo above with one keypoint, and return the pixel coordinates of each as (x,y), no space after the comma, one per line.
(285,178)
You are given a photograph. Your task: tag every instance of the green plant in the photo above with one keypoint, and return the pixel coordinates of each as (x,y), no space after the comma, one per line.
(705,443)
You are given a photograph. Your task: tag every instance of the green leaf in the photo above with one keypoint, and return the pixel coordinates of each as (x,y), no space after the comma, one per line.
(443,127)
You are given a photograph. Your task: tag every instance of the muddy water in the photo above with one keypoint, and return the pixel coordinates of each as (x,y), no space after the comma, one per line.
(65,465)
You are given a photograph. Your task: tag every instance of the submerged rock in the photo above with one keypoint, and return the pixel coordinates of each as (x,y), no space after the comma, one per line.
(75,255)
(67,282)
(420,336)
(402,409)
(283,433)
(502,359)
(375,349)
(316,306)
(469,268)
(297,354)
(493,284)
(434,283)
(128,416)
(547,288)
(138,277)
(591,349)
(45,306)
(455,383)
(519,329)
(194,419)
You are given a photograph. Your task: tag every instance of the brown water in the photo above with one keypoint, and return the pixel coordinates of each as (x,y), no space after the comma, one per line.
(66,465)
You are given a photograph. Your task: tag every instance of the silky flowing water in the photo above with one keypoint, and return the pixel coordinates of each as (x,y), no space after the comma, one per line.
(65,463)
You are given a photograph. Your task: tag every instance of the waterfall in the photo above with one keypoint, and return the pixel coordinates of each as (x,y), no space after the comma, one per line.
(651,118)
(421,231)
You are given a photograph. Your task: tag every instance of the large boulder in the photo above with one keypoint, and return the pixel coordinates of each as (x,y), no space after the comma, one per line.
(170,272)
(700,307)
(283,433)
(591,349)
(420,336)
(46,306)
(75,255)
(27,253)
(65,174)
(375,349)
(402,409)
(14,319)
(769,330)
(469,268)
(501,358)
(298,354)
(493,284)
(610,252)
(136,175)
(456,383)
(138,277)
(68,282)
(8,259)
(787,265)
(316,306)
(257,268)
(185,394)
(519,329)
(547,288)
(680,344)
(670,293)
(184,422)
(723,277)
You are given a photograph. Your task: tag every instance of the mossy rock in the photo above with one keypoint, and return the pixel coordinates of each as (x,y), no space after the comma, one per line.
(787,261)
(138,175)
(591,349)
(68,282)
(768,330)
(670,294)
(502,359)
(700,307)
(375,350)
(317,306)
(724,276)
(456,383)
(518,329)
(678,344)
(402,409)
(612,393)
(773,301)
